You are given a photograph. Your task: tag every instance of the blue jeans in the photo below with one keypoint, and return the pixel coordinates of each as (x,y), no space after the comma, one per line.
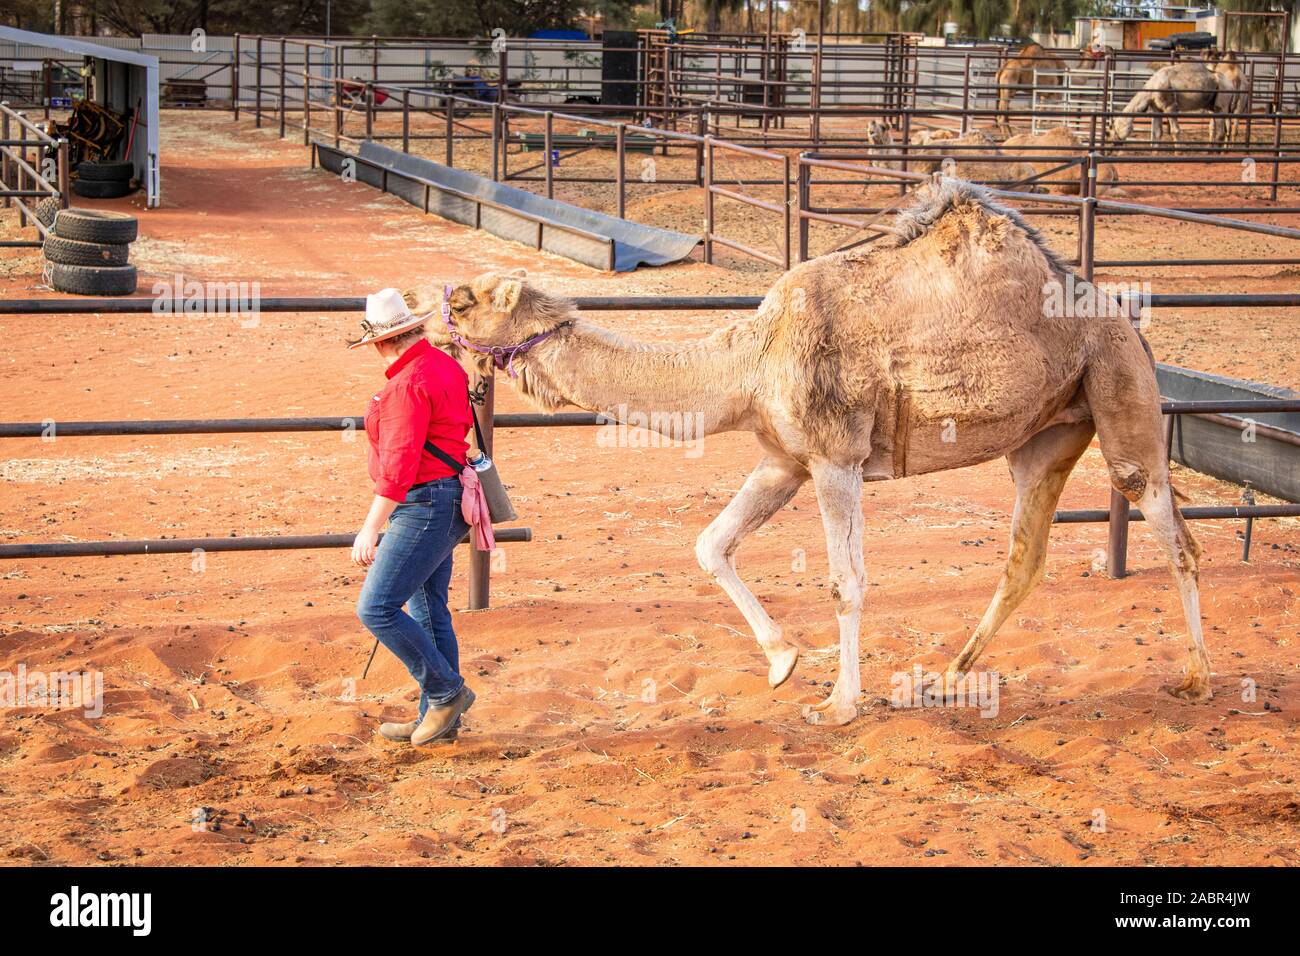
(413,564)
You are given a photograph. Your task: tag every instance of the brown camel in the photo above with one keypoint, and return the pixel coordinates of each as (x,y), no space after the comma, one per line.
(1018,73)
(937,349)
(1233,96)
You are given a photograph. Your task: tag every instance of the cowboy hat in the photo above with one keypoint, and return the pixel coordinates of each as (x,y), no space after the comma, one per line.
(387,315)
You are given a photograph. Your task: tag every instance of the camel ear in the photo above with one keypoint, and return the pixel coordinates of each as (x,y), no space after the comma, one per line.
(519,273)
(506,295)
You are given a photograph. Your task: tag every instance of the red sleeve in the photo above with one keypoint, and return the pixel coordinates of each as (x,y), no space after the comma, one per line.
(403,425)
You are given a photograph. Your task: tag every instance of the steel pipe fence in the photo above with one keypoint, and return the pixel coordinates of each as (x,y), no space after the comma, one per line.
(327,98)
(1086,208)
(23,173)
(1117,516)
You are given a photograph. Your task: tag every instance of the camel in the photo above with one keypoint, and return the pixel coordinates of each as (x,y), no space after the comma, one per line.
(943,151)
(1061,140)
(1233,97)
(1185,87)
(939,351)
(1018,72)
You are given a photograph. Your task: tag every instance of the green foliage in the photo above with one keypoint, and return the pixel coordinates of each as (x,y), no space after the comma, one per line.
(481,17)
(984,18)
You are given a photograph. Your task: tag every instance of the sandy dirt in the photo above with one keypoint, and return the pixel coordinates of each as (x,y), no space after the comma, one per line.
(623,712)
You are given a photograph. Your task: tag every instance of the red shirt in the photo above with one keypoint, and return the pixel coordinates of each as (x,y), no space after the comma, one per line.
(426,399)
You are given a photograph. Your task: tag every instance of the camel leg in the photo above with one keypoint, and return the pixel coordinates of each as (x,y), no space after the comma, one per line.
(1166,521)
(1176,132)
(769,487)
(1039,469)
(1124,399)
(839,495)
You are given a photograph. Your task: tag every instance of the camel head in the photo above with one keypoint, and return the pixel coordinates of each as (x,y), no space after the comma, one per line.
(878,134)
(490,315)
(1120,128)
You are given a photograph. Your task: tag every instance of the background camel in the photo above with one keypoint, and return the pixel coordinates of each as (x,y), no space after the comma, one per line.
(1233,96)
(1019,72)
(942,149)
(1185,87)
(940,351)
(1061,140)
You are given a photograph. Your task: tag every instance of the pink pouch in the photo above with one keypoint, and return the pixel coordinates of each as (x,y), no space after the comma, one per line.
(474,508)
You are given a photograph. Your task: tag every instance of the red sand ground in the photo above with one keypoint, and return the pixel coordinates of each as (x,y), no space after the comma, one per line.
(231,686)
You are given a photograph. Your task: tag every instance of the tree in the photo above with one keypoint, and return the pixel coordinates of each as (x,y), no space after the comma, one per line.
(481,17)
(1255,33)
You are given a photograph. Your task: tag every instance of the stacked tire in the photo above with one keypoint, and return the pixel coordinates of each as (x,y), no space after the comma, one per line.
(87,252)
(107,180)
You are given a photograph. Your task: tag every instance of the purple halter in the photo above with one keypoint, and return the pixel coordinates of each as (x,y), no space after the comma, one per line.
(503,356)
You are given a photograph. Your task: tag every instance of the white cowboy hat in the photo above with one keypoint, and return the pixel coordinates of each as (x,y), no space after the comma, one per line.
(386,316)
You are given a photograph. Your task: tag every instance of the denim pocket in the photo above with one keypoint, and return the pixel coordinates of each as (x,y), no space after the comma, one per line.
(450,502)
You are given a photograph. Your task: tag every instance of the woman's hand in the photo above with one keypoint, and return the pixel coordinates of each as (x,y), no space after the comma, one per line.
(363,547)
(367,540)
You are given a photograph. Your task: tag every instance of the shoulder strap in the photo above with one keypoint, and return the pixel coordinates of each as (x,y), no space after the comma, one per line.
(442,456)
(445,458)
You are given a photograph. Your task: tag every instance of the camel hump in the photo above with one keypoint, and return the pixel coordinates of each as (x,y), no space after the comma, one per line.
(944,195)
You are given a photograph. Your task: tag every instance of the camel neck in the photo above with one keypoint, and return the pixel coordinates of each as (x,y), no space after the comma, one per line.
(708,382)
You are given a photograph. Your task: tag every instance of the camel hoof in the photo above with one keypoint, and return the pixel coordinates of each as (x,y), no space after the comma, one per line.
(1194,688)
(830,713)
(781,665)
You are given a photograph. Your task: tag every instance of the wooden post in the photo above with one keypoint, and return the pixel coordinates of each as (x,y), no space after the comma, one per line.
(480,562)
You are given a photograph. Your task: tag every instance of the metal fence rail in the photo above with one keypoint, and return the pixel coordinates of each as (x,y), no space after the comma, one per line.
(24,176)
(282,542)
(1118,515)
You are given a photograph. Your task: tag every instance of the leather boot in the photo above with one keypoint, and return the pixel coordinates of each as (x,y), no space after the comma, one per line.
(440,720)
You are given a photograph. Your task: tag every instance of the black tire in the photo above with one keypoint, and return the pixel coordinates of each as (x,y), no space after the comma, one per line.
(46,210)
(95,225)
(94,189)
(91,280)
(75,253)
(106,172)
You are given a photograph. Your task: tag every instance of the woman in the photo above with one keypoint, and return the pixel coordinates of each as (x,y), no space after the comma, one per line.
(422,411)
